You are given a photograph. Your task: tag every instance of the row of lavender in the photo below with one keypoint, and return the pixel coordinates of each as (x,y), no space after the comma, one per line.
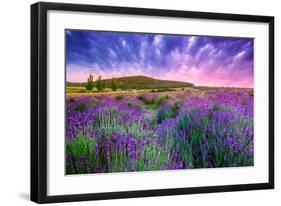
(149,131)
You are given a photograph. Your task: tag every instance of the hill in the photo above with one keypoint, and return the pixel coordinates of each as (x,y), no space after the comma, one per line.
(138,82)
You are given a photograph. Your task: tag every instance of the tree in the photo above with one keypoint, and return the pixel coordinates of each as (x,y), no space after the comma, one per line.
(114,84)
(99,84)
(102,85)
(90,83)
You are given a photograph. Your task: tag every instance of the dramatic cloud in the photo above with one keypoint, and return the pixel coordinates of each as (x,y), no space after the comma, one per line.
(202,60)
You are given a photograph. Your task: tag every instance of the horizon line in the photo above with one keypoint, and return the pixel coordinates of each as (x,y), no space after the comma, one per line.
(163,80)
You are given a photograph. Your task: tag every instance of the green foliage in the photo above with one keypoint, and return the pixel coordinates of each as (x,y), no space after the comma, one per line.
(78,147)
(99,84)
(76,90)
(164,114)
(103,85)
(90,83)
(163,90)
(153,103)
(175,107)
(161,99)
(183,121)
(169,111)
(119,97)
(217,107)
(114,84)
(145,100)
(80,108)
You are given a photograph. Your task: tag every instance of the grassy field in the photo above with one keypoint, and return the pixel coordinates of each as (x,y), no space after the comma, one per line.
(79,90)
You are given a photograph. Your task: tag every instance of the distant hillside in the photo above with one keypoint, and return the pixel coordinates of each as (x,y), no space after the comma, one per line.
(139,82)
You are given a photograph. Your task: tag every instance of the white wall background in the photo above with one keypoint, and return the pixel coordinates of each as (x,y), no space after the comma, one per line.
(15,95)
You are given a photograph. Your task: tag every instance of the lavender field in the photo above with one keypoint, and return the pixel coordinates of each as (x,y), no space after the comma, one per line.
(145,131)
(146,102)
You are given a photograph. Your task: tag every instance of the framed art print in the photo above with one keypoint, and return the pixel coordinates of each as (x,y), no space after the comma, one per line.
(134,102)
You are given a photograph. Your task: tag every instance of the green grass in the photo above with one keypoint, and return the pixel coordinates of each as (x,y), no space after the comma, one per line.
(81,90)
(75,89)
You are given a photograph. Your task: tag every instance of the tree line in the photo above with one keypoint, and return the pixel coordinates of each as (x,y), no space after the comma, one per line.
(100,84)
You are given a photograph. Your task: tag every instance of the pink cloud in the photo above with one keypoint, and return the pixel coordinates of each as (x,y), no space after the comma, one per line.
(208,74)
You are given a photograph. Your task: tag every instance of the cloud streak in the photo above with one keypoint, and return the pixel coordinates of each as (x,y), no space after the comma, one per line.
(202,60)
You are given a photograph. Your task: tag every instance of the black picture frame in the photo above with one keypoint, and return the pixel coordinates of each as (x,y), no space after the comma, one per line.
(39,101)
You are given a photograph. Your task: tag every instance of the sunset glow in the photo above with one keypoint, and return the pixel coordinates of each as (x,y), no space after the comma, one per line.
(201,60)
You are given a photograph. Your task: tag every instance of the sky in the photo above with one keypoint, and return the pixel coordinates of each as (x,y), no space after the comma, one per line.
(201,60)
